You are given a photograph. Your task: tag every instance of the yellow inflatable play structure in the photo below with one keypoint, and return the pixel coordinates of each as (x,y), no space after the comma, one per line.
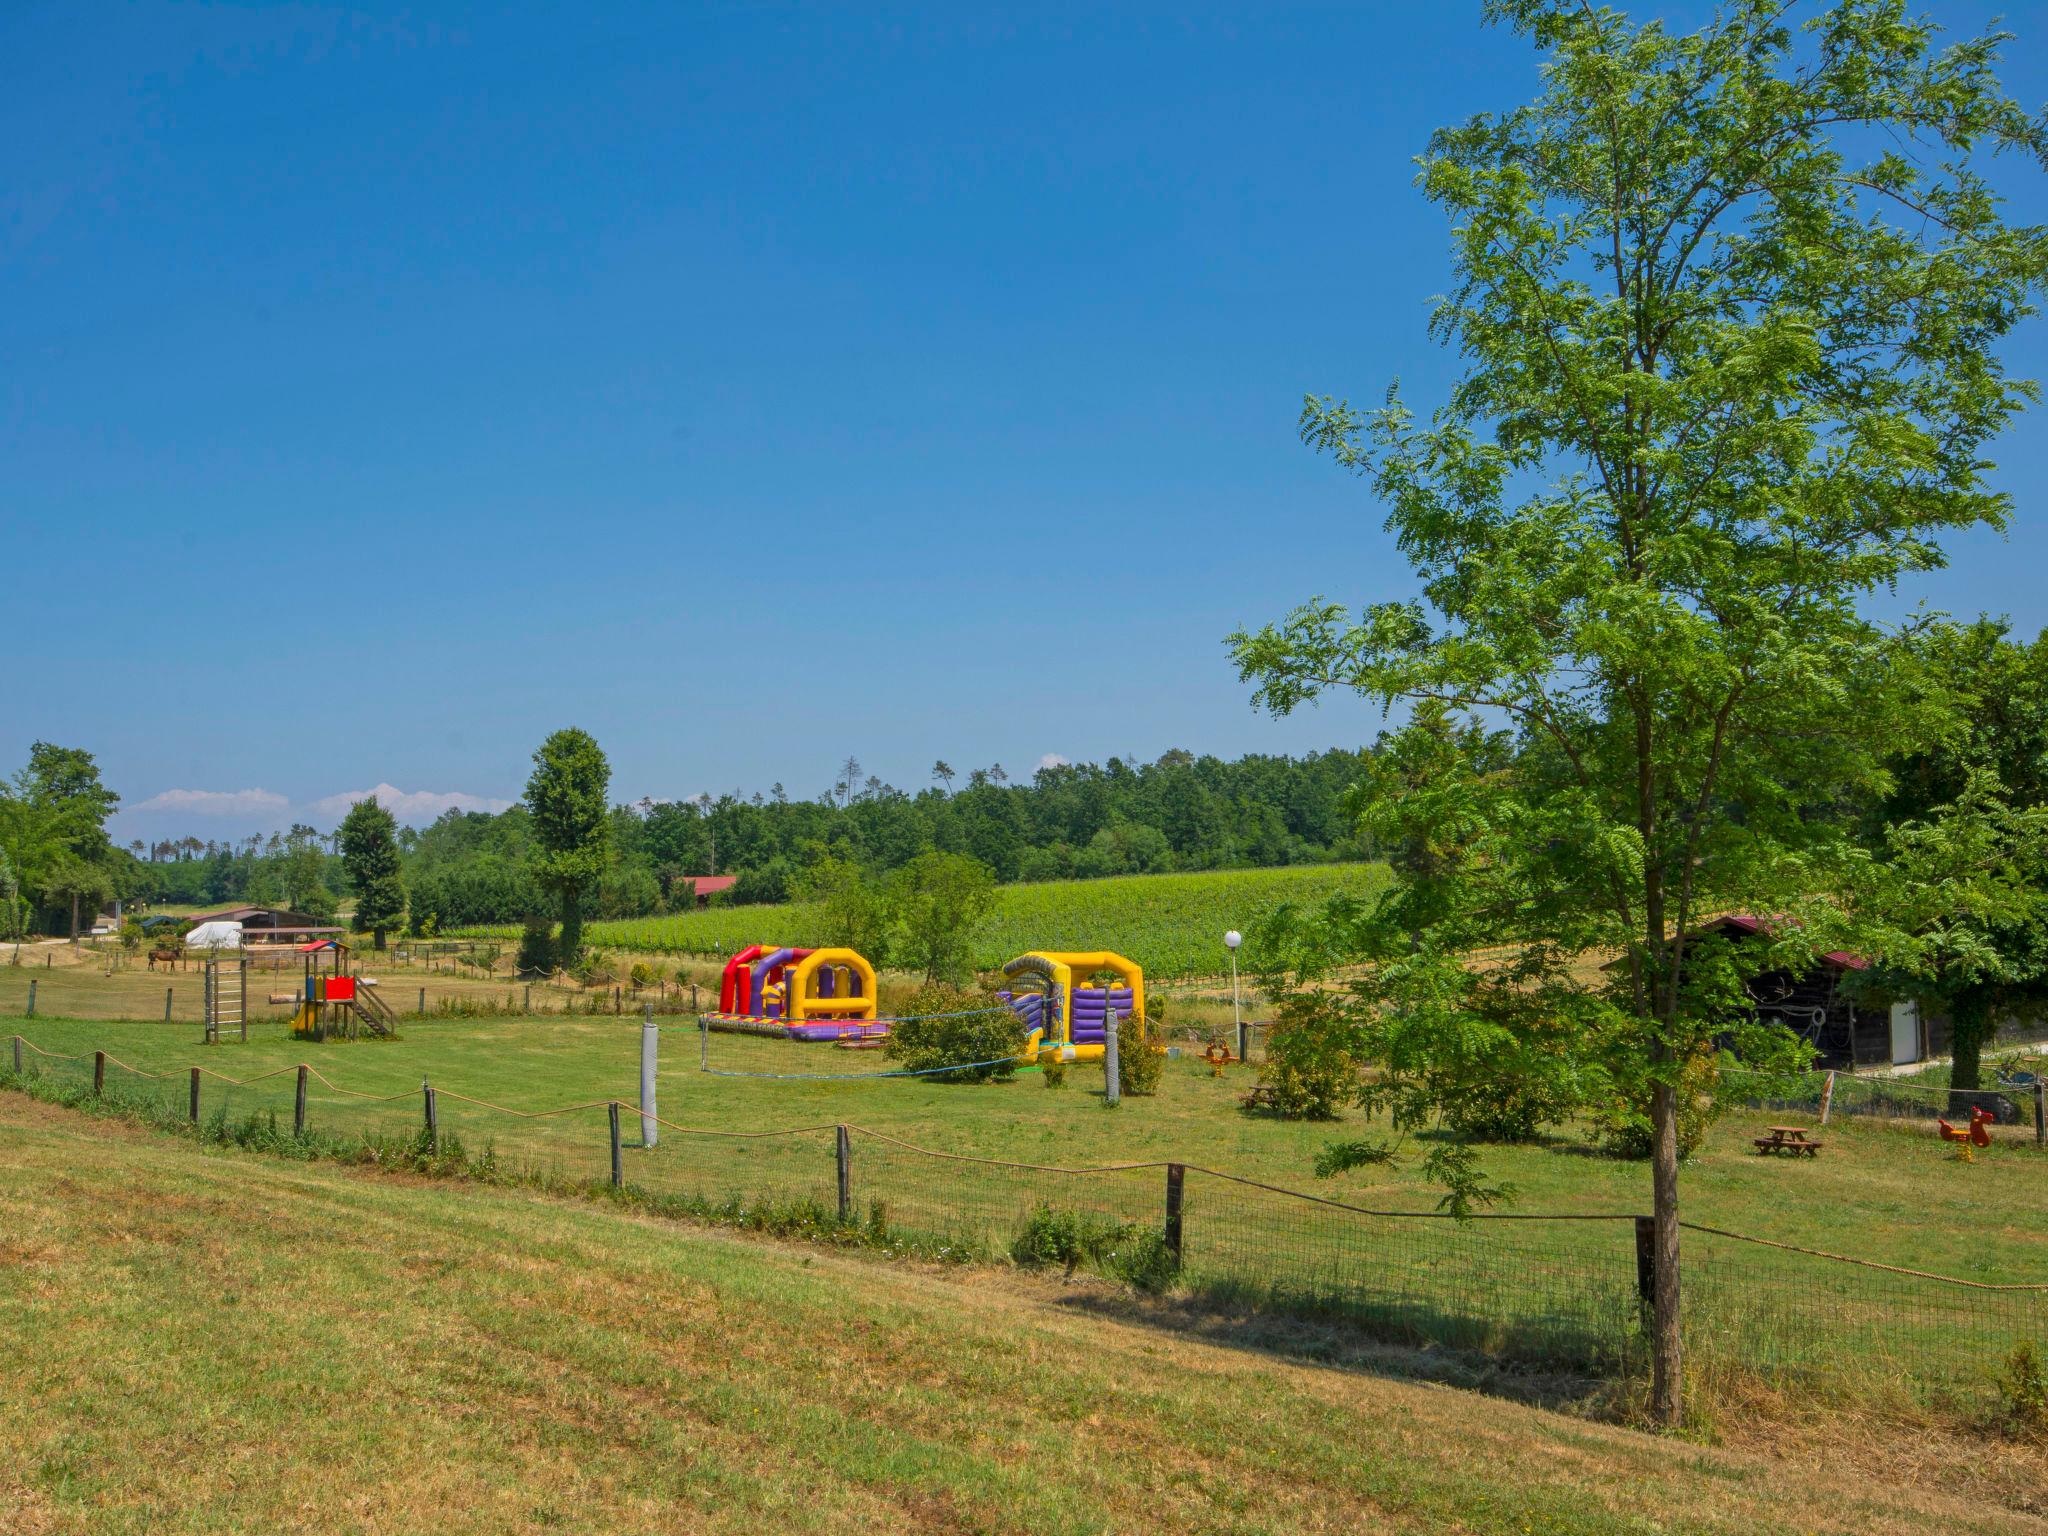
(1069,1022)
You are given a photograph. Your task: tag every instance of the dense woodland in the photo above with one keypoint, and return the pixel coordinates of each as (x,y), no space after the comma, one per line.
(1182,812)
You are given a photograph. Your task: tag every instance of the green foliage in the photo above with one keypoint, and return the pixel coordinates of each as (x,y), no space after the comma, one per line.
(945,1026)
(1454,1166)
(536,955)
(1733,363)
(1310,1067)
(1140,1060)
(1128,1251)
(369,856)
(2023,1392)
(1625,1126)
(844,906)
(938,903)
(565,797)
(1342,1156)
(1054,1073)
(131,934)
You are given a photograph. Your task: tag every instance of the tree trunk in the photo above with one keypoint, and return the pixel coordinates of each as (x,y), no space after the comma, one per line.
(74,917)
(377,938)
(1970,1028)
(1667,1371)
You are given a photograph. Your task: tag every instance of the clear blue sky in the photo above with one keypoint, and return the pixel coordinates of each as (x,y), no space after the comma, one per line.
(748,385)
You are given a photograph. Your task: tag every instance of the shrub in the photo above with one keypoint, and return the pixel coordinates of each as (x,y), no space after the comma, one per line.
(1054,1073)
(643,975)
(1626,1130)
(946,1026)
(1309,1065)
(2023,1391)
(536,948)
(1139,1063)
(1504,1109)
(1128,1251)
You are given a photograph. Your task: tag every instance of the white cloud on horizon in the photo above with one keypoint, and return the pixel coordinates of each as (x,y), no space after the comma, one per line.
(214,802)
(1053,760)
(415,807)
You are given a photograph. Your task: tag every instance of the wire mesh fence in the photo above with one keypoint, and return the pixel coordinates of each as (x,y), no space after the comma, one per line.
(1551,1291)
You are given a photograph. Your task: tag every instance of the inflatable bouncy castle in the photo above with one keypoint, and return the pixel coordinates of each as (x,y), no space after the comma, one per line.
(803,994)
(1067,1000)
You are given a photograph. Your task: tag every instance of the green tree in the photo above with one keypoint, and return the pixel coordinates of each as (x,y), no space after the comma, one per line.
(567,799)
(940,902)
(1730,304)
(1961,909)
(848,907)
(369,855)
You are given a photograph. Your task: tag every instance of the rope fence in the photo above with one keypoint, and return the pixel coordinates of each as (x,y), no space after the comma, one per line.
(1557,1291)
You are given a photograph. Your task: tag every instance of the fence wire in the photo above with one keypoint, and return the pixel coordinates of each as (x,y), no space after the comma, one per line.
(1549,1291)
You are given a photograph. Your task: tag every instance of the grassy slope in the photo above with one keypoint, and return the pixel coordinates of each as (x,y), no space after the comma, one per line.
(1879,1191)
(223,1342)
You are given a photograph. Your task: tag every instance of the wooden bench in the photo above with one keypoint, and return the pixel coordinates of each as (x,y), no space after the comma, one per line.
(1265,1096)
(1788,1139)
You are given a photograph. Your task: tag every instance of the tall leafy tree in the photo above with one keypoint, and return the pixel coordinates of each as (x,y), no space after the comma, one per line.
(1730,306)
(1960,880)
(369,855)
(939,902)
(566,798)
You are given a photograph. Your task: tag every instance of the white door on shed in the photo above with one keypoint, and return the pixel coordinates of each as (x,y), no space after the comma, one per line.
(1905,1033)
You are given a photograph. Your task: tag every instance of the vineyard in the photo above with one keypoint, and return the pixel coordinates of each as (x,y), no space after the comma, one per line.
(1172,925)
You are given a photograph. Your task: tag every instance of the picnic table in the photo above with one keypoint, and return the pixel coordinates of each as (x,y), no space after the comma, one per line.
(1788,1139)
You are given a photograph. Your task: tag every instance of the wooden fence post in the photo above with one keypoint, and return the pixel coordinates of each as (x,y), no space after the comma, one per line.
(167,1005)
(618,1171)
(526,1003)
(2040,1110)
(299,1104)
(99,1073)
(844,1148)
(433,1115)
(17,1057)
(423,1002)
(1827,1098)
(31,999)
(1176,1183)
(195,1096)
(1646,1259)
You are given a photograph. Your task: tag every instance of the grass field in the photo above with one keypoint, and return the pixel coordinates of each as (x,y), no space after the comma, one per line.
(1519,1290)
(221,1341)
(1172,925)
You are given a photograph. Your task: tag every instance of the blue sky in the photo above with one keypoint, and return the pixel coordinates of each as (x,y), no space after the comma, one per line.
(748,385)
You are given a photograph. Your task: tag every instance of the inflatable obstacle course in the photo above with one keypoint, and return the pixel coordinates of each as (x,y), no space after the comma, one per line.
(799,994)
(1067,999)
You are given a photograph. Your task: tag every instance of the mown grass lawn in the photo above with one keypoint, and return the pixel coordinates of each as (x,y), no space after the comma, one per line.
(225,1342)
(1882,1191)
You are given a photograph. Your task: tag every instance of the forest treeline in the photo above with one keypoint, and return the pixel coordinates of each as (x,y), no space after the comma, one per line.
(1181,812)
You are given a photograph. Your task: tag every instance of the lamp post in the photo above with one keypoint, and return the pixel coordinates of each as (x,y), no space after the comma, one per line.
(1230,942)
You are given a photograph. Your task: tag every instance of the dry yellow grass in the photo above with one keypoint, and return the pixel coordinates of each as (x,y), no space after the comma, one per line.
(224,1342)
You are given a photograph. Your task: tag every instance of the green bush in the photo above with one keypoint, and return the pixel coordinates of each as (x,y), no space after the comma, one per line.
(1309,1066)
(1054,1073)
(1128,1251)
(1504,1110)
(536,948)
(946,1026)
(1626,1129)
(1139,1063)
(2023,1392)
